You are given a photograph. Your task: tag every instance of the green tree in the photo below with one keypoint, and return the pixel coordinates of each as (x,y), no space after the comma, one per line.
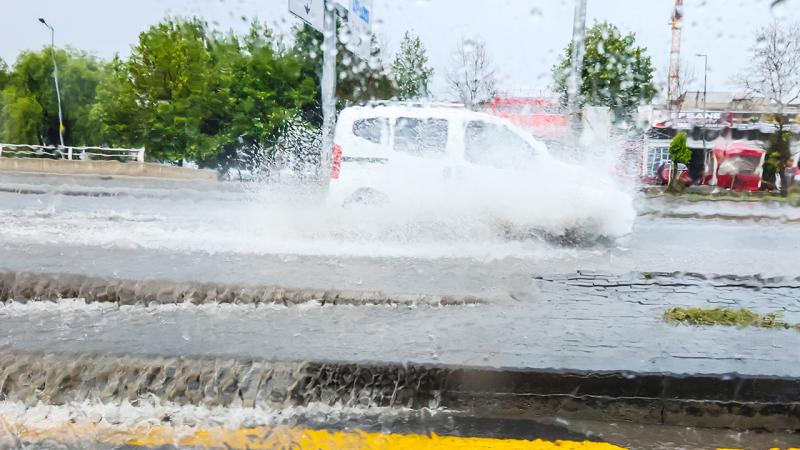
(29,105)
(778,154)
(679,153)
(116,113)
(615,72)
(191,93)
(170,96)
(20,118)
(3,74)
(358,79)
(267,89)
(3,82)
(410,69)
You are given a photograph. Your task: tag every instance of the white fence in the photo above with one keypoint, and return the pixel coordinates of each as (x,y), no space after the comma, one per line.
(71,153)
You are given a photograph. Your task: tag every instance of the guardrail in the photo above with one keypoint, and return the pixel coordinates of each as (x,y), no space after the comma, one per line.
(71,153)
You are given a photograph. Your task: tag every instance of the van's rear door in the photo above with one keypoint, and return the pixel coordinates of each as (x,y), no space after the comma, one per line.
(362,151)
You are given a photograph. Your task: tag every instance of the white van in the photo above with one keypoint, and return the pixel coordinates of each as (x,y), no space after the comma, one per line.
(383,147)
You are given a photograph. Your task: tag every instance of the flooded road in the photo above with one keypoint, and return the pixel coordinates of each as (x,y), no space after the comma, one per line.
(537,305)
(156,229)
(700,246)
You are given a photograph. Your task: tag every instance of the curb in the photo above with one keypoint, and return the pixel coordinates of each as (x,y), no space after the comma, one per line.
(713,401)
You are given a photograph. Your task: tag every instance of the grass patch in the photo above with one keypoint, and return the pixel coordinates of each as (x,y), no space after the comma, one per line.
(692,194)
(742,317)
(792,199)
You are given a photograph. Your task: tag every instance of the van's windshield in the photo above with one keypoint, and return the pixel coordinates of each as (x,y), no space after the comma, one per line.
(496,145)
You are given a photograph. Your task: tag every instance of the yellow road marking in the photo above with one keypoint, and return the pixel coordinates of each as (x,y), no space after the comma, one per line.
(280,437)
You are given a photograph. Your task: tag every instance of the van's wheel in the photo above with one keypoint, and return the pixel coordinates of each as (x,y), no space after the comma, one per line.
(366,196)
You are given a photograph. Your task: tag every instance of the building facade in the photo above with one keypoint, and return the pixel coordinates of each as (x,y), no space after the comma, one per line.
(720,115)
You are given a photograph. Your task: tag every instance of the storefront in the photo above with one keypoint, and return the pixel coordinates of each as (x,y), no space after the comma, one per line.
(705,129)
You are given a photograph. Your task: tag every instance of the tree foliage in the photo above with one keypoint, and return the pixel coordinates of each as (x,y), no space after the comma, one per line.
(410,69)
(3,74)
(615,72)
(29,111)
(190,93)
(358,80)
(185,93)
(265,91)
(679,151)
(170,95)
(779,152)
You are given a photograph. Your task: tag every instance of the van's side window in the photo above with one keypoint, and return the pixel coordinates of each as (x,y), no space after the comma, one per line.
(496,145)
(420,137)
(372,129)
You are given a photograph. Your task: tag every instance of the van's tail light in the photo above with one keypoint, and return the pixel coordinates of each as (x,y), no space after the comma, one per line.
(336,162)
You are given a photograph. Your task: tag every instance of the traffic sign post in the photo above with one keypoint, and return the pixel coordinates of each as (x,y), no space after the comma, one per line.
(321,15)
(328,90)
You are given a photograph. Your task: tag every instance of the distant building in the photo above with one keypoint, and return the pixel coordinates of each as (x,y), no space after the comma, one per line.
(723,115)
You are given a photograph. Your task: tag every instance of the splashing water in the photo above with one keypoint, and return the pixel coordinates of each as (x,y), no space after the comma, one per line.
(482,212)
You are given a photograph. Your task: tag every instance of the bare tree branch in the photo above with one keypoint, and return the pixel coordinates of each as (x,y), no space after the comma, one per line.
(471,78)
(774,71)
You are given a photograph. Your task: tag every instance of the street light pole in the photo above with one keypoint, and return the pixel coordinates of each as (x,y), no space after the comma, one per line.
(55,77)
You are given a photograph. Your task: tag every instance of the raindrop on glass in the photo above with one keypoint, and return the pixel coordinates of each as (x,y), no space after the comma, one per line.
(536,15)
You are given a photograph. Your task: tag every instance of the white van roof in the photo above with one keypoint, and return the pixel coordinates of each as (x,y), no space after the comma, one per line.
(449,111)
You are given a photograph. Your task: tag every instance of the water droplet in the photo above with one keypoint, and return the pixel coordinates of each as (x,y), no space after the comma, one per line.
(470,46)
(536,15)
(778,8)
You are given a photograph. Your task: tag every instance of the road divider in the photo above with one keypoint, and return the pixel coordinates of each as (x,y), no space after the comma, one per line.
(24,287)
(106,168)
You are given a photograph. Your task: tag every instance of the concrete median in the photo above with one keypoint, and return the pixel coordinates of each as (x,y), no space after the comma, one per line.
(25,287)
(104,168)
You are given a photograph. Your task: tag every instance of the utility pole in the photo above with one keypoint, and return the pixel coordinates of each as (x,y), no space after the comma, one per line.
(675,54)
(576,60)
(328,89)
(55,77)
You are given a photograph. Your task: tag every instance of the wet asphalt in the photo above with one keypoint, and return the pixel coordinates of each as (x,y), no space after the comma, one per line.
(592,308)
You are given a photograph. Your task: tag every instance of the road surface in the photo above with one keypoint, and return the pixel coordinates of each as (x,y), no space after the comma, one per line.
(542,306)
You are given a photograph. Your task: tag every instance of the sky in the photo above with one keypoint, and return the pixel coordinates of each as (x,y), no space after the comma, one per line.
(524,37)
